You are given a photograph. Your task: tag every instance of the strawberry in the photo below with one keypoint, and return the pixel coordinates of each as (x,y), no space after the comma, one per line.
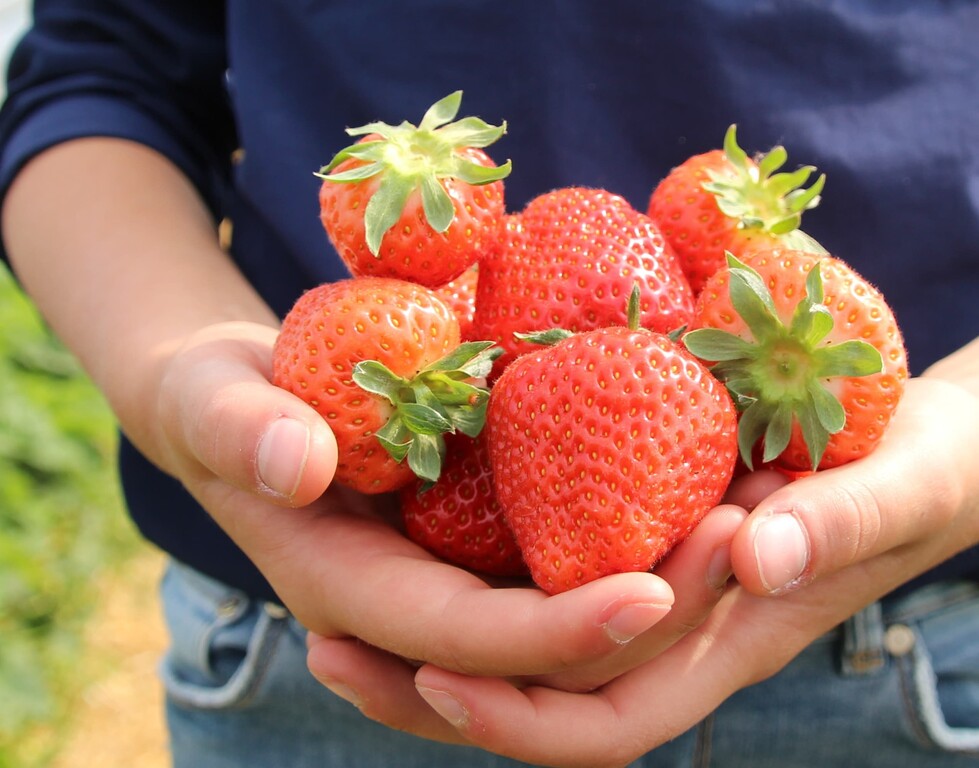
(607,449)
(724,201)
(460,296)
(414,202)
(569,260)
(810,351)
(458,518)
(380,360)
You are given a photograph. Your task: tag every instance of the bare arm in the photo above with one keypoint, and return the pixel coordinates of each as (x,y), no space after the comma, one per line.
(129,273)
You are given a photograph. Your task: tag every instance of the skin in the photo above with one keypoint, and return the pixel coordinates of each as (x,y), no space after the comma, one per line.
(549,680)
(868,527)
(135,259)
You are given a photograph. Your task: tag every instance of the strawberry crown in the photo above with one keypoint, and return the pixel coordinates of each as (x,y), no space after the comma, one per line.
(443,397)
(409,158)
(781,376)
(759,198)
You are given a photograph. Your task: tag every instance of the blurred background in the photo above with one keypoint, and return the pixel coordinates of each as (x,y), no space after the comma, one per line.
(80,632)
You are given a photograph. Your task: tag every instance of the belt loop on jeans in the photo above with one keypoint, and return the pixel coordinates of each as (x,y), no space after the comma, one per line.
(863,650)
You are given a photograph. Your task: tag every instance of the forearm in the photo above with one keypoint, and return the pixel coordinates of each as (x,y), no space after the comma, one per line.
(122,258)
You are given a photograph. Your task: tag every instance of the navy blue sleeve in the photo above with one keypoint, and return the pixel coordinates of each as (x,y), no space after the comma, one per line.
(151,71)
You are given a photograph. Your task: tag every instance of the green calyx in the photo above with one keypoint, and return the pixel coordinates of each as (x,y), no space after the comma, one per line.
(758,197)
(781,377)
(444,397)
(409,158)
(552,336)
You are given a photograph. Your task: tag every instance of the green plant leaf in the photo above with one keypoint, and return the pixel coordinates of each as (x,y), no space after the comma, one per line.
(715,345)
(854,357)
(378,379)
(437,204)
(425,456)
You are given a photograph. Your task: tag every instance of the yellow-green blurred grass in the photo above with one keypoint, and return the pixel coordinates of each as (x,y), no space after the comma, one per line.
(61,527)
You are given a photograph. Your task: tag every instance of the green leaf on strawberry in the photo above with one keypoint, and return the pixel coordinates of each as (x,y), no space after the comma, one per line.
(784,373)
(757,197)
(444,397)
(408,158)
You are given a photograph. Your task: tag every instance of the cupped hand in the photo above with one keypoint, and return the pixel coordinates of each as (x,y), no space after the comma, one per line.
(844,538)
(912,501)
(261,462)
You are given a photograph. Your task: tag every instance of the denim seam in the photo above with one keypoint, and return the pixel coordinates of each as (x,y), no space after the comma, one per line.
(920,693)
(242,686)
(204,640)
(703,742)
(907,610)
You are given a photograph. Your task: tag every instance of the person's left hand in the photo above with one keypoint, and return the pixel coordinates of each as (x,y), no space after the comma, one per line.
(826,545)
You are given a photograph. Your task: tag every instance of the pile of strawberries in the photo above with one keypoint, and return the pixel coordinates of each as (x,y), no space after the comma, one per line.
(565,391)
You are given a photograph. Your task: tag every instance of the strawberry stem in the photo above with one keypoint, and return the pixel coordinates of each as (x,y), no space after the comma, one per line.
(780,375)
(410,158)
(758,197)
(447,396)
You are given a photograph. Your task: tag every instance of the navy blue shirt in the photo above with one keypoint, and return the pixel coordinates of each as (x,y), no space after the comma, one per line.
(882,96)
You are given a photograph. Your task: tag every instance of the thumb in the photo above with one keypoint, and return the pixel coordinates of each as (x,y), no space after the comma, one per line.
(904,498)
(224,420)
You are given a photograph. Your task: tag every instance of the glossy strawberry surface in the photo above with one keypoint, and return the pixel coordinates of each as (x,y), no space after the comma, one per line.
(698,231)
(460,296)
(459,518)
(570,260)
(412,249)
(723,201)
(607,449)
(334,327)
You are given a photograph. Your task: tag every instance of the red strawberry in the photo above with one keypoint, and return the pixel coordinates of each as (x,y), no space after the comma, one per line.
(414,202)
(460,296)
(458,518)
(607,449)
(810,351)
(722,201)
(380,360)
(570,260)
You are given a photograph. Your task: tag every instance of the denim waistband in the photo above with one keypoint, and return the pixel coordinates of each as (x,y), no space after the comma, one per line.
(879,630)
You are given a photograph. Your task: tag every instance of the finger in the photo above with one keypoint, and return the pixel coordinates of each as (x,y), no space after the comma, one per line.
(906,492)
(344,571)
(698,572)
(611,726)
(220,411)
(747,491)
(744,640)
(380,685)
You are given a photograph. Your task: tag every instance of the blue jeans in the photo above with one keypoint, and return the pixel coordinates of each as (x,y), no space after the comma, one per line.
(896,686)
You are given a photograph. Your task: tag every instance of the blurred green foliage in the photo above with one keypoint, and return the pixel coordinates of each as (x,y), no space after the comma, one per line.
(61,523)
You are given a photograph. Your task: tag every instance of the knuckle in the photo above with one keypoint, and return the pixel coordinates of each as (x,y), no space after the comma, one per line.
(861,515)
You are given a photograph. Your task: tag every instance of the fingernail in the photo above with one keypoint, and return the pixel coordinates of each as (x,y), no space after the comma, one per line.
(631,620)
(719,568)
(345,692)
(781,548)
(282,455)
(448,706)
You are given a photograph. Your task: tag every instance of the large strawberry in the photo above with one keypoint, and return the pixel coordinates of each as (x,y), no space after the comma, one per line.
(414,202)
(570,260)
(458,518)
(723,200)
(380,360)
(607,449)
(809,349)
